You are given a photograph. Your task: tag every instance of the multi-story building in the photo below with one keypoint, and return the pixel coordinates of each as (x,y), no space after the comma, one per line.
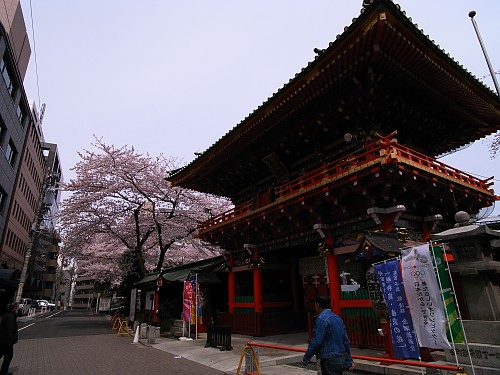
(15,128)
(84,292)
(22,162)
(42,247)
(29,169)
(48,245)
(12,19)
(63,287)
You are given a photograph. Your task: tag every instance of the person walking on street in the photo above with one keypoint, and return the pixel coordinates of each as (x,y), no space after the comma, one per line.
(8,337)
(329,343)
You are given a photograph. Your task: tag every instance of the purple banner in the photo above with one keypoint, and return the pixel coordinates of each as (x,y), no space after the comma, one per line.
(402,334)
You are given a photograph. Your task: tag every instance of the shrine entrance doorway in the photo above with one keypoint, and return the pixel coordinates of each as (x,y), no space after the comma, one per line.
(313,272)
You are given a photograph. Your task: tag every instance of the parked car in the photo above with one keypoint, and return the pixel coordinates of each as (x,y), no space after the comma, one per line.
(118,304)
(38,304)
(50,306)
(24,306)
(43,303)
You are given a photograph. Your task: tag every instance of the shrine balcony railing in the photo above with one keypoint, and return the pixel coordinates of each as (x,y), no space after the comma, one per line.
(385,150)
(238,211)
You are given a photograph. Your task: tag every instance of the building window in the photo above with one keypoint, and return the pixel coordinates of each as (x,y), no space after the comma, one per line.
(3,131)
(3,198)
(20,114)
(6,76)
(11,153)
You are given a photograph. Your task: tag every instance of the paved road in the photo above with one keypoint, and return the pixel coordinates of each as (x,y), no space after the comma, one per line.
(74,343)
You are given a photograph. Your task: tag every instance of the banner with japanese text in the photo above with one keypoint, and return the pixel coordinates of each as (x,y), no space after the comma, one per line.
(391,283)
(197,305)
(457,334)
(188,301)
(424,297)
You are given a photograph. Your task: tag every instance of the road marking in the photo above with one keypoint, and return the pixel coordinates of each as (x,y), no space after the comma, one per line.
(50,316)
(29,325)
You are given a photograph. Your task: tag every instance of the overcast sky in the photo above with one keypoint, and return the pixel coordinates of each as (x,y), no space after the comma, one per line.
(173,77)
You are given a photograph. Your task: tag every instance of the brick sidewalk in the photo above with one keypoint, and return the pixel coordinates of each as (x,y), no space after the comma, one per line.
(97,354)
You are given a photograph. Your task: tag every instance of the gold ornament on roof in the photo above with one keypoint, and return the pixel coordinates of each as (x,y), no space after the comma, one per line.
(324,249)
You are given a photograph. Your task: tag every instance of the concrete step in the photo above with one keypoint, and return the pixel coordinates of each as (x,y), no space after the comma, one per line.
(178,323)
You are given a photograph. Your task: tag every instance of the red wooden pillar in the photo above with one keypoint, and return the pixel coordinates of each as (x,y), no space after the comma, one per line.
(332,267)
(230,284)
(386,217)
(334,280)
(293,283)
(386,329)
(155,305)
(429,225)
(257,278)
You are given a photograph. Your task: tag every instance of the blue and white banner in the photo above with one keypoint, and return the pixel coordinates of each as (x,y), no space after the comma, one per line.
(402,334)
(424,297)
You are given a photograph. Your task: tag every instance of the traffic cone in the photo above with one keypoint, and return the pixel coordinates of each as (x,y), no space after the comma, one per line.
(136,336)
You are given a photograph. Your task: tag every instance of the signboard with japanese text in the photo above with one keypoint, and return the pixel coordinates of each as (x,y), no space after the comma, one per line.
(188,301)
(133,297)
(375,294)
(424,297)
(391,283)
(455,326)
(150,301)
(196,303)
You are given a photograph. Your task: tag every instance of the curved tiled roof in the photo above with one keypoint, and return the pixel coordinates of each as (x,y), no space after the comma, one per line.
(384,37)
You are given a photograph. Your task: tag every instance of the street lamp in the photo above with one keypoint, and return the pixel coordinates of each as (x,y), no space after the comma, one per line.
(472,14)
(47,198)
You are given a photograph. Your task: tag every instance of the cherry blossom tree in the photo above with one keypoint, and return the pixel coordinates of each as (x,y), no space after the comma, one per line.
(123,217)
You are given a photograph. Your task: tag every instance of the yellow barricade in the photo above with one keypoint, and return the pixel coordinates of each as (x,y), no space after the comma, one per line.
(116,322)
(254,358)
(123,329)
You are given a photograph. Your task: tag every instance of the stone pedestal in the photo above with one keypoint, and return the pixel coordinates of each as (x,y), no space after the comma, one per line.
(477,266)
(483,339)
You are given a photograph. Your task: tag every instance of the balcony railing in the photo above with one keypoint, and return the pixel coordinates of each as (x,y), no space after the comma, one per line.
(383,151)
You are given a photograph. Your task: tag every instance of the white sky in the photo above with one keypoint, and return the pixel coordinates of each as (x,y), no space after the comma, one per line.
(173,77)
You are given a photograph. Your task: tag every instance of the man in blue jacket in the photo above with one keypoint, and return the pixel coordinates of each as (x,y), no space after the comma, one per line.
(8,337)
(330,343)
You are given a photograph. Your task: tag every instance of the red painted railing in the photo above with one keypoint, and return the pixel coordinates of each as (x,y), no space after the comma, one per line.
(411,157)
(383,151)
(367,358)
(380,152)
(237,211)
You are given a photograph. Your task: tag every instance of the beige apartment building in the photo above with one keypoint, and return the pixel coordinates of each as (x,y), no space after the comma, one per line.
(84,293)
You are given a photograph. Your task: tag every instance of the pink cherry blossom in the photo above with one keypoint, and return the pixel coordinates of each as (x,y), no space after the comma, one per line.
(120,202)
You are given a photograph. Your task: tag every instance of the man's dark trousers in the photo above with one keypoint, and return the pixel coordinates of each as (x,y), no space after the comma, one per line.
(6,351)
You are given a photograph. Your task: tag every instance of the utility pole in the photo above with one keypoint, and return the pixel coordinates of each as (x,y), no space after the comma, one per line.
(46,200)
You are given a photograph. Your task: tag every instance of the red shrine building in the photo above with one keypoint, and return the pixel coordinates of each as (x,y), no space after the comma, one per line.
(338,169)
